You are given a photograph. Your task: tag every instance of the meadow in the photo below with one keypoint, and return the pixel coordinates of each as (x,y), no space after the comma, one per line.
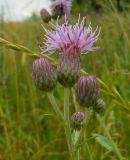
(29,129)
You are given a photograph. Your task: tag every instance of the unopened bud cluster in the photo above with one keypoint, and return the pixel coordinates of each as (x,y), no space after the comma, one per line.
(70,41)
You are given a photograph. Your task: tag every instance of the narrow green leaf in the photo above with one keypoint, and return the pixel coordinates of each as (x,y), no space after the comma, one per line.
(104,141)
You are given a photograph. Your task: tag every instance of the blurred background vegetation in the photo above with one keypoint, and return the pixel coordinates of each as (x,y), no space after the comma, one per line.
(98,5)
(29,129)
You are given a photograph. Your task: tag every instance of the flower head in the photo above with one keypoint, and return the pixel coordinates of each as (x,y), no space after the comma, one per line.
(76,38)
(77,120)
(44,74)
(45,15)
(61,8)
(87,91)
(70,41)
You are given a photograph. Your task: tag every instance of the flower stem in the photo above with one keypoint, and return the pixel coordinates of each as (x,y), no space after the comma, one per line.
(88,149)
(55,106)
(77,150)
(78,154)
(79,134)
(110,138)
(66,105)
(88,117)
(67,123)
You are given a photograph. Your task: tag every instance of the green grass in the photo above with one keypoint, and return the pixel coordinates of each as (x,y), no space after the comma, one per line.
(29,129)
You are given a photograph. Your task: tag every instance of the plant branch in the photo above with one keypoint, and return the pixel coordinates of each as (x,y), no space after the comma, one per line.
(55,106)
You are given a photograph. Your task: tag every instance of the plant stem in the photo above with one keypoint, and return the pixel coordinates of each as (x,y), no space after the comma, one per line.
(78,154)
(88,117)
(115,148)
(75,136)
(89,152)
(55,106)
(67,123)
(66,105)
(88,114)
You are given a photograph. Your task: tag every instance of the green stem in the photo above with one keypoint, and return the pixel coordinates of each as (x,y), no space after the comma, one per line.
(66,105)
(67,123)
(89,152)
(55,106)
(88,117)
(75,135)
(78,154)
(82,131)
(110,138)
(69,142)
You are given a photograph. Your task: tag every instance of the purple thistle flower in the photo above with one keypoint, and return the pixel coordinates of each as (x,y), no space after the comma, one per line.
(76,38)
(70,41)
(61,8)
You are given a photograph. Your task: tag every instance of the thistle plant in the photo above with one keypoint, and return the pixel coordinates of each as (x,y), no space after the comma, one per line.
(70,41)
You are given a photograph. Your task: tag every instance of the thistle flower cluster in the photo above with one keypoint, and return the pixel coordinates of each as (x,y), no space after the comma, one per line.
(70,41)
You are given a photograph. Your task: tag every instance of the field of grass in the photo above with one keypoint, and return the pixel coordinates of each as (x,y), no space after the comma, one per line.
(29,129)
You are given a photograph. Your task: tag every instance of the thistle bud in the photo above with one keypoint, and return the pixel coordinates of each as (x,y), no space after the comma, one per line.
(77,120)
(69,68)
(45,15)
(87,91)
(61,8)
(44,74)
(100,106)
